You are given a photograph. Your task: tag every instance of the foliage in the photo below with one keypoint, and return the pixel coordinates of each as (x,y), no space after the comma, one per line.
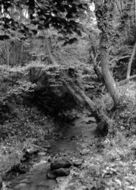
(32,92)
(30,16)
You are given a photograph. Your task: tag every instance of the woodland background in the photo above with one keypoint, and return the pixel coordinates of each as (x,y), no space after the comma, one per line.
(62,62)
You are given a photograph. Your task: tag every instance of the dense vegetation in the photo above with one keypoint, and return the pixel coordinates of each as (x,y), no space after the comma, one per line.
(68,82)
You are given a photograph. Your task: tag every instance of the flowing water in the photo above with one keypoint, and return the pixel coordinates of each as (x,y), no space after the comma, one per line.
(71,142)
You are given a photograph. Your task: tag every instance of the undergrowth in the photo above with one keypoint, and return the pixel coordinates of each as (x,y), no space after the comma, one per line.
(26,123)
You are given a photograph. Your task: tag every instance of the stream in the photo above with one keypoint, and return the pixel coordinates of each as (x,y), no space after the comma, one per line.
(73,142)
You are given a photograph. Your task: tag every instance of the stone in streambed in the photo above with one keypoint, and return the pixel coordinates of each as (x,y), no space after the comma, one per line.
(59,168)
(85,151)
(60,163)
(50,175)
(77,163)
(60,172)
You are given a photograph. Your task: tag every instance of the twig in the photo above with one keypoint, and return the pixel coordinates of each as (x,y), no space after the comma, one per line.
(119,58)
(126,80)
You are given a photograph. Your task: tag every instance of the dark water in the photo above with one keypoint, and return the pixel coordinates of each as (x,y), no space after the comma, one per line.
(68,143)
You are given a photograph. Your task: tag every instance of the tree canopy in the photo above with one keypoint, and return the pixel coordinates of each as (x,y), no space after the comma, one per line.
(29,16)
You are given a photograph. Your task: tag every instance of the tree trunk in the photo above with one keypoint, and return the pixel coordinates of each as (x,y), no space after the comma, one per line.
(104,24)
(131,61)
(48,49)
(93,57)
(108,78)
(82,99)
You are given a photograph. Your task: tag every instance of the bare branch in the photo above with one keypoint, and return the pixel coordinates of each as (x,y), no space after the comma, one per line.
(131,61)
(126,80)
